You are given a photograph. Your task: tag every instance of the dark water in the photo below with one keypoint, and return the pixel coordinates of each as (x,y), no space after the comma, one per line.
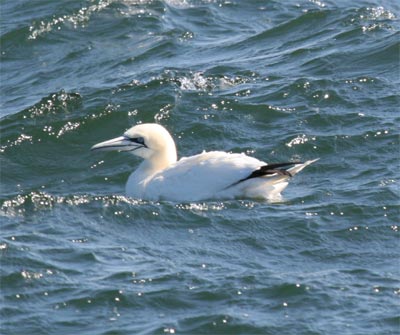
(278,80)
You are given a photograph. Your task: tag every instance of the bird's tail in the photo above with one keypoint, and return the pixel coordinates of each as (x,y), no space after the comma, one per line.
(273,186)
(283,177)
(298,167)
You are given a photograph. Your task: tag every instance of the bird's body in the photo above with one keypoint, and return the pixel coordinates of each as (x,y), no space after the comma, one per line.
(209,175)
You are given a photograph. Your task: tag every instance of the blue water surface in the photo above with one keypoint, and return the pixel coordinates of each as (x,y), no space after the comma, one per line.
(280,81)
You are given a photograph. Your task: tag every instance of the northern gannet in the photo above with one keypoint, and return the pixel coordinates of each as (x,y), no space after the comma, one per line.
(209,175)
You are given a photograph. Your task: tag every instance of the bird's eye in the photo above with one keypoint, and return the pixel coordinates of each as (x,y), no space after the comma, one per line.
(139,140)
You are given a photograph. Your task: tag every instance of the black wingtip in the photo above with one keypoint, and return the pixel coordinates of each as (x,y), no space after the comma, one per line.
(269,169)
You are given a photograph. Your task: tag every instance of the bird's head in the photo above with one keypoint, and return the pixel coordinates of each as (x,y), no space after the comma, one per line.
(149,140)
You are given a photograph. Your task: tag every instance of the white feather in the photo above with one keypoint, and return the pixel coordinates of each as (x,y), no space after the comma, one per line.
(209,175)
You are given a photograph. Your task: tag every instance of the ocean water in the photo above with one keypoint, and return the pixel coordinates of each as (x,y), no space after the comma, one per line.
(279,80)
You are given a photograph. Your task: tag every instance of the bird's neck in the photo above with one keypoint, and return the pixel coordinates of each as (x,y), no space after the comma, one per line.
(139,178)
(156,163)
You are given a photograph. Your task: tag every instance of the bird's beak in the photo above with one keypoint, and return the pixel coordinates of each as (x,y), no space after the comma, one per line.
(121,143)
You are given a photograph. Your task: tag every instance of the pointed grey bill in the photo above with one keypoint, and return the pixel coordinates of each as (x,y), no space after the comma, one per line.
(121,143)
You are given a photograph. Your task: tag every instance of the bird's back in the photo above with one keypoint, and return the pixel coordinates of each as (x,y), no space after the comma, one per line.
(203,176)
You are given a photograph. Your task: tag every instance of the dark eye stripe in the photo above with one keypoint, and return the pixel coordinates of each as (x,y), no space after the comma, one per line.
(138,140)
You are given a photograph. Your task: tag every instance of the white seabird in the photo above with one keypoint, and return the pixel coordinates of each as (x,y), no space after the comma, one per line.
(209,175)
